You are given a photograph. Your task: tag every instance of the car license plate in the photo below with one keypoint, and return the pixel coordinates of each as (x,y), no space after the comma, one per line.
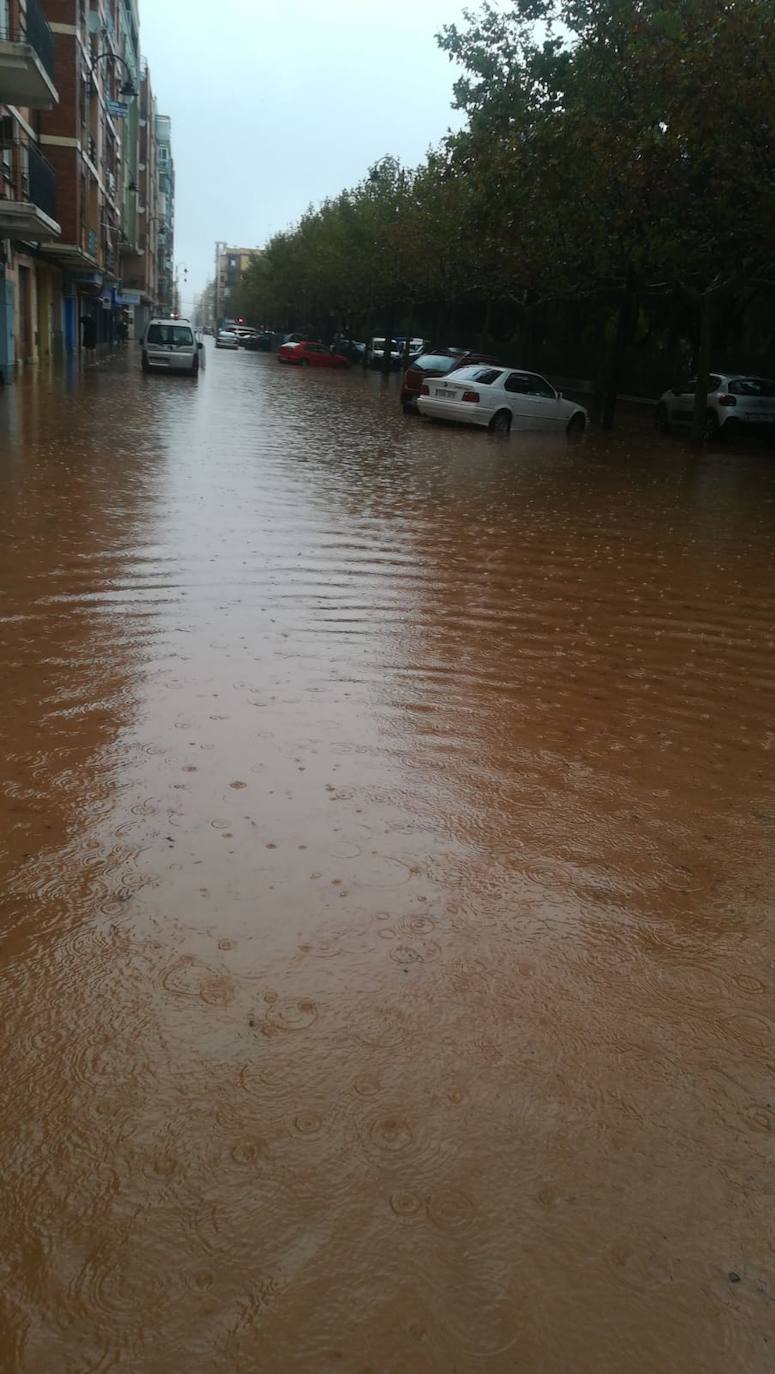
(444,391)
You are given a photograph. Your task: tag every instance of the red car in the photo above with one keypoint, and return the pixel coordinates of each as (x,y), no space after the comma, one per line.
(436,364)
(309,354)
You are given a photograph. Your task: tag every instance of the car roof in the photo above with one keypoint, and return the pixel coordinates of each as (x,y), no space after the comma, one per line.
(743,376)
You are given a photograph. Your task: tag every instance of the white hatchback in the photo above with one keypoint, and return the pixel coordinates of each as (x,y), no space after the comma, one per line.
(502,399)
(737,404)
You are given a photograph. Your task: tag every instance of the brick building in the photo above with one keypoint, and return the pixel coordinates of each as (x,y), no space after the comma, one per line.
(30,289)
(83,258)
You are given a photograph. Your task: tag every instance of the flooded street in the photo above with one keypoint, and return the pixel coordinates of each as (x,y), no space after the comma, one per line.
(388,949)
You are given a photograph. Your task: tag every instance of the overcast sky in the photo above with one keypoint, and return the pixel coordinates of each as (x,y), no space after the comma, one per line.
(277,103)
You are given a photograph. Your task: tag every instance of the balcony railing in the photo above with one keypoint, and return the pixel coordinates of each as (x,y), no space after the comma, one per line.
(34,30)
(43,183)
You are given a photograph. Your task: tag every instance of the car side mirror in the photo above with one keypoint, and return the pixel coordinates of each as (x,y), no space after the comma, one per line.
(559,396)
(200,344)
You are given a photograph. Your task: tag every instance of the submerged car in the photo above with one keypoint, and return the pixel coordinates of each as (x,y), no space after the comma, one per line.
(171,346)
(226,338)
(502,399)
(309,354)
(738,404)
(436,364)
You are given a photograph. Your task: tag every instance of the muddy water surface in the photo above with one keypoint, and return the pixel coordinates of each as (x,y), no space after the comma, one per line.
(386,849)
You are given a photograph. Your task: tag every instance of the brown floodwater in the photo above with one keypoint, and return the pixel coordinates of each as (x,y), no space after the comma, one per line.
(387,863)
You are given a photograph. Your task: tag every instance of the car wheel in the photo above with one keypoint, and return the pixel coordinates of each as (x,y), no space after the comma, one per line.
(501,422)
(305,362)
(195,368)
(145,364)
(575,430)
(662,420)
(713,430)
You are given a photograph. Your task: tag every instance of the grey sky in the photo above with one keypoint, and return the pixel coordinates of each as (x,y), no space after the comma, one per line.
(276,103)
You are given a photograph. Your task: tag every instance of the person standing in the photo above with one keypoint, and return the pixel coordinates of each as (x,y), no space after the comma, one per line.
(89,336)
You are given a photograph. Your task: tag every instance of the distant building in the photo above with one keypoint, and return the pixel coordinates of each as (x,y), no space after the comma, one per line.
(231,265)
(166,202)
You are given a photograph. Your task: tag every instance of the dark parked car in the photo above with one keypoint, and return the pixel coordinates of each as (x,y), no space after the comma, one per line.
(259,343)
(437,364)
(349,348)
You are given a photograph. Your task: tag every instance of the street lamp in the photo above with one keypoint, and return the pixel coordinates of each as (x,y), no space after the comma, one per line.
(128,89)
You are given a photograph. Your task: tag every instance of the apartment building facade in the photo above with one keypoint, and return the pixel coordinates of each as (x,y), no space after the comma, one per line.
(166,213)
(81,259)
(230,266)
(30,301)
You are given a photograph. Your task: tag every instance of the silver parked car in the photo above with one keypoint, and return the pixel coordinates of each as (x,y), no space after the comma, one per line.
(501,399)
(171,346)
(737,404)
(226,338)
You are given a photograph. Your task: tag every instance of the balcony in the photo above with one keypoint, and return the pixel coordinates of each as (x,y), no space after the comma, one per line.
(31,216)
(27,61)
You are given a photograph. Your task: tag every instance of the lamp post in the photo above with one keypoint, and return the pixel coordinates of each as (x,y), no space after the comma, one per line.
(162,234)
(128,88)
(181,267)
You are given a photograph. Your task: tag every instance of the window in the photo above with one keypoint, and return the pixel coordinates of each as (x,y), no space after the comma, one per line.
(689,388)
(432,362)
(519,383)
(752,386)
(485,376)
(540,387)
(170,336)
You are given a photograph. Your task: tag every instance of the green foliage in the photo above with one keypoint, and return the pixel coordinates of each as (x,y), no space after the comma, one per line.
(617,153)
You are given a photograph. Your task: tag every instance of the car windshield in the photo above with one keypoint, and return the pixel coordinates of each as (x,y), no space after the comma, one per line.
(170,335)
(436,362)
(752,386)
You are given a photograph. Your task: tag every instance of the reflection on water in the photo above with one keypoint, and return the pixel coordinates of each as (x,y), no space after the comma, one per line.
(386,867)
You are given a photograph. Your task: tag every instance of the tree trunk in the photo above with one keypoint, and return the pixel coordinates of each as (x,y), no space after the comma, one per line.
(485,332)
(408,339)
(387,353)
(702,370)
(616,357)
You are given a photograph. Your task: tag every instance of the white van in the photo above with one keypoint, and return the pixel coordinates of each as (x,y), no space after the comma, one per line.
(171,346)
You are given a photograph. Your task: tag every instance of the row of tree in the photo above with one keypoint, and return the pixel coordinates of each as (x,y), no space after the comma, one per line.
(608,210)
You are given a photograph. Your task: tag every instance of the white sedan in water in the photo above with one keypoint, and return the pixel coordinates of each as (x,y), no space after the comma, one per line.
(226,338)
(502,399)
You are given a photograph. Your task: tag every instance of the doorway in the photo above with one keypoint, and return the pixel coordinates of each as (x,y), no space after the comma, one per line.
(25,314)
